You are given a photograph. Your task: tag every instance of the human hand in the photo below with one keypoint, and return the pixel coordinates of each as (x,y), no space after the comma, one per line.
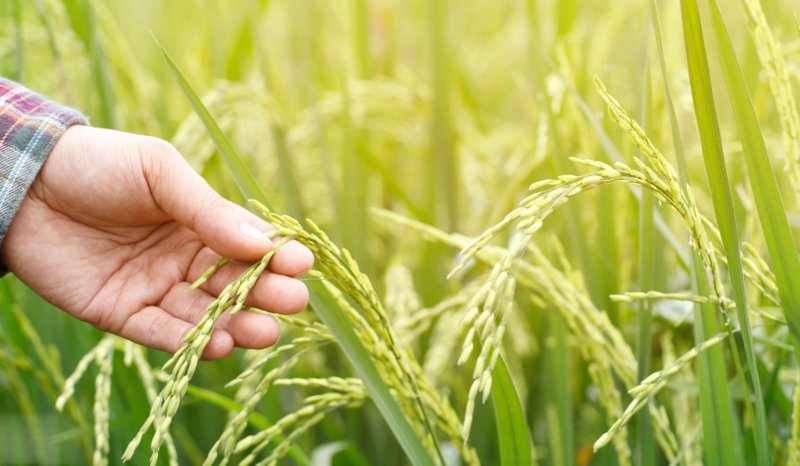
(117,226)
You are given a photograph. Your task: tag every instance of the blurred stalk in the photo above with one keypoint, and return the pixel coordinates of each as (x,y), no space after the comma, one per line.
(607,254)
(566,15)
(562,376)
(562,389)
(291,190)
(576,240)
(21,394)
(443,178)
(63,81)
(441,185)
(644,446)
(354,220)
(105,117)
(16,15)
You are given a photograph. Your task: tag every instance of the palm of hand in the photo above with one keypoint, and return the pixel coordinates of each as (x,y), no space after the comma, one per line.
(116,227)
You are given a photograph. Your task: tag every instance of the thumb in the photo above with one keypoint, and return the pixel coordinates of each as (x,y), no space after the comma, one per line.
(187,197)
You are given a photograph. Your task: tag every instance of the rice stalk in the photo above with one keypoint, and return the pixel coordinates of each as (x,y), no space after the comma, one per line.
(145,372)
(728,304)
(599,339)
(316,405)
(398,367)
(495,297)
(283,448)
(227,441)
(401,300)
(185,360)
(690,453)
(611,401)
(105,363)
(650,386)
(80,369)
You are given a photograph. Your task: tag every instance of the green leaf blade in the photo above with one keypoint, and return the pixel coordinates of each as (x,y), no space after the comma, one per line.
(718,438)
(241,174)
(340,327)
(512,430)
(771,212)
(711,142)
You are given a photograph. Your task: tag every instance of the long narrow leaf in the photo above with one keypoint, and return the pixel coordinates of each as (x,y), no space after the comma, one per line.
(512,431)
(711,143)
(771,213)
(341,328)
(241,174)
(320,300)
(718,438)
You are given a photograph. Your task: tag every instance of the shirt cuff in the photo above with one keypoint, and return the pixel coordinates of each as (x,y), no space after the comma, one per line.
(30,126)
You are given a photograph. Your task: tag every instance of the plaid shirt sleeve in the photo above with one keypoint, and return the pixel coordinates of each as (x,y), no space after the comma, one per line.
(30,125)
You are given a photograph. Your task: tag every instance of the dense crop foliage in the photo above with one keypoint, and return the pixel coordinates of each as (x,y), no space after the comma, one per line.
(559,233)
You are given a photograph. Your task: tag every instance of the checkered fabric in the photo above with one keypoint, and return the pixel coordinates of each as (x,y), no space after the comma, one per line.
(30,125)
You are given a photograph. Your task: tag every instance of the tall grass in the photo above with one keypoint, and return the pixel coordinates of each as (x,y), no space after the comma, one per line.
(411,132)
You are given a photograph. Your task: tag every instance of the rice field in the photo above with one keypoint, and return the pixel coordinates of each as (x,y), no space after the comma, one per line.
(552,233)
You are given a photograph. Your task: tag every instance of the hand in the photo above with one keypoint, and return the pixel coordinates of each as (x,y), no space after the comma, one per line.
(117,226)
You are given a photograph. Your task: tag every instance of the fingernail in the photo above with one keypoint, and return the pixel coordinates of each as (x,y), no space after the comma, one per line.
(252,232)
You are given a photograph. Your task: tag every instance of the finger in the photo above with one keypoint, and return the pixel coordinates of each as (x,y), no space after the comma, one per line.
(186,196)
(272,292)
(249,330)
(155,328)
(292,259)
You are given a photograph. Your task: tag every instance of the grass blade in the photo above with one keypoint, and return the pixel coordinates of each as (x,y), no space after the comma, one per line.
(241,174)
(717,173)
(644,452)
(320,299)
(718,438)
(341,329)
(771,213)
(512,431)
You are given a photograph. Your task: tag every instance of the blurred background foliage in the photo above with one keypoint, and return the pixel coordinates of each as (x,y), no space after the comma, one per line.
(442,111)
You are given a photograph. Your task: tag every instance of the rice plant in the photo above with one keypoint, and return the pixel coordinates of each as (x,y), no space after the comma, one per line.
(554,233)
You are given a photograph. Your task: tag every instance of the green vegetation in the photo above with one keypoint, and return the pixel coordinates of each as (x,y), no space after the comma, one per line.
(402,140)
